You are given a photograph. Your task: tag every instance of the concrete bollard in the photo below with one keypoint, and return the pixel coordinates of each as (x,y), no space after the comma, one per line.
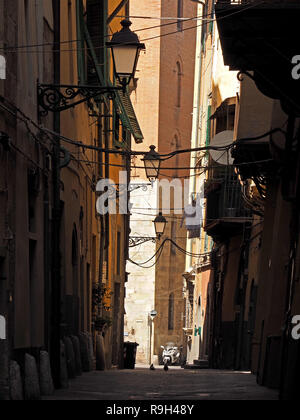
(84,351)
(46,382)
(4,370)
(100,353)
(15,382)
(70,358)
(91,351)
(63,367)
(76,347)
(31,379)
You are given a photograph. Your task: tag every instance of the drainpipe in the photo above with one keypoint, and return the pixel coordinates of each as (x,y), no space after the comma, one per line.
(56,280)
(196,114)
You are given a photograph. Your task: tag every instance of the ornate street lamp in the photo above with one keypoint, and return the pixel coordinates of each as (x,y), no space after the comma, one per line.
(152,162)
(160,224)
(125,47)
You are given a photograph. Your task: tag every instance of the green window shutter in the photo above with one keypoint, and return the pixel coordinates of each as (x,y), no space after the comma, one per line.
(122,102)
(96,25)
(128,116)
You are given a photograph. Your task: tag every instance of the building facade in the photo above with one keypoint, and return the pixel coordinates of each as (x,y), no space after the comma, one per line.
(62,263)
(251,210)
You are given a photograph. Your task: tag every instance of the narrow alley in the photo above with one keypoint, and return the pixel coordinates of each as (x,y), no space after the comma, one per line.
(149,200)
(176,384)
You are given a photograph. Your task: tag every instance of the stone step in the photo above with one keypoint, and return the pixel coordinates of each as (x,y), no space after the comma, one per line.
(200,364)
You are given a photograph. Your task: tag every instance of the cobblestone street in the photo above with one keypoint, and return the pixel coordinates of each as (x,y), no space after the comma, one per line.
(176,384)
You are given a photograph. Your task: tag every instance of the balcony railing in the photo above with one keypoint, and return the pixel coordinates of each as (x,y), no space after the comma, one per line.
(226,202)
(225,209)
(203,262)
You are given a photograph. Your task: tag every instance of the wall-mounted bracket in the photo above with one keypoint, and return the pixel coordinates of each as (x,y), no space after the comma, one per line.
(58,98)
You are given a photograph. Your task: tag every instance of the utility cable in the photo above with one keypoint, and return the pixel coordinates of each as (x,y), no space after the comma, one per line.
(144,40)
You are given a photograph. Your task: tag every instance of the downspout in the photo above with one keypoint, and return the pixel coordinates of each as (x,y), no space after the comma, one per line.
(56,279)
(196,116)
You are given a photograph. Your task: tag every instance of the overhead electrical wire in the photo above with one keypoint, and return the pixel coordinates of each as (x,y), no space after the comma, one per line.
(71,41)
(143,40)
(167,156)
(203,254)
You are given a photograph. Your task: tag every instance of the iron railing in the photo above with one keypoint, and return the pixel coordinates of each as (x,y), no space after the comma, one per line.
(225,202)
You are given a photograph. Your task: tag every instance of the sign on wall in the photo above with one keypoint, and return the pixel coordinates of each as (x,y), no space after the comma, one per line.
(2,328)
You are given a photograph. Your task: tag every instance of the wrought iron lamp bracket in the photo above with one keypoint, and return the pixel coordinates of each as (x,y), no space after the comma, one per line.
(137,240)
(58,98)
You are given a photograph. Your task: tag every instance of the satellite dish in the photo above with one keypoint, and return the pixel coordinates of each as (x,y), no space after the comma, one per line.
(223,157)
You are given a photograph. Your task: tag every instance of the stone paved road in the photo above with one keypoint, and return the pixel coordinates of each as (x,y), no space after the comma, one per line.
(176,384)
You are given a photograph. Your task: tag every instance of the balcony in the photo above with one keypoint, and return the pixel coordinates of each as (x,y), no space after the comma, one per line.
(262,38)
(202,263)
(254,159)
(225,210)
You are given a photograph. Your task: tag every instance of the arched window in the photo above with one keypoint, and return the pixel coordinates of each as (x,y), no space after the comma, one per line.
(179,84)
(171,312)
(179,14)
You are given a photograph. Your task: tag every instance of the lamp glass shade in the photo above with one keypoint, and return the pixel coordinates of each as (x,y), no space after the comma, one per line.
(160,224)
(152,169)
(125,59)
(152,162)
(125,47)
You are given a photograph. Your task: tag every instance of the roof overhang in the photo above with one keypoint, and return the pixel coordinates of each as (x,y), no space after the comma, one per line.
(261,39)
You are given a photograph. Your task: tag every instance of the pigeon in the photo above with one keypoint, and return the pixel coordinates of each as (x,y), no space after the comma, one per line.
(166,368)
(152,367)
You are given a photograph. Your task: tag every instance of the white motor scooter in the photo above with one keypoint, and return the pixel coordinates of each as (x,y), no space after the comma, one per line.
(171,355)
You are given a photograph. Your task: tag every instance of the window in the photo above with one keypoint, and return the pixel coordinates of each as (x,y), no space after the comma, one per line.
(171,312)
(179,84)
(225,118)
(96,25)
(179,14)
